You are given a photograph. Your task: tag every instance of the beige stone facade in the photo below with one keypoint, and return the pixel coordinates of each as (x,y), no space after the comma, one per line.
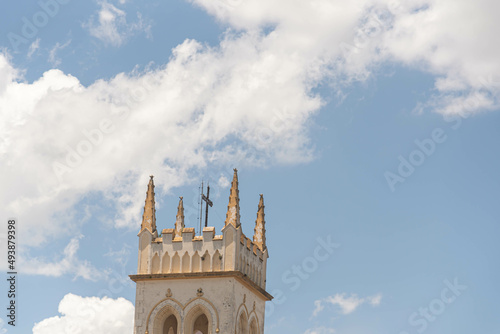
(189,284)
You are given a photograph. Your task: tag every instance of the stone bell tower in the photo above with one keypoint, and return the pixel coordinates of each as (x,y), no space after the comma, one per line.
(187,284)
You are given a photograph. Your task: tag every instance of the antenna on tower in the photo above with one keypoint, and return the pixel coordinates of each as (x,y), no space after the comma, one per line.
(201,206)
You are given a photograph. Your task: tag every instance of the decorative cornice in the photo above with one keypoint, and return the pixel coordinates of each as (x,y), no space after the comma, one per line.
(242,278)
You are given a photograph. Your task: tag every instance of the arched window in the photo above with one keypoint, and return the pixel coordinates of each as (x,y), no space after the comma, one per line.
(253,327)
(176,263)
(205,262)
(242,324)
(196,263)
(201,325)
(198,321)
(166,320)
(170,326)
(155,264)
(186,262)
(165,267)
(217,262)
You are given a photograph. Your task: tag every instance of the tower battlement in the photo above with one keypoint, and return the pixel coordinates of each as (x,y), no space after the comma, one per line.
(210,283)
(179,250)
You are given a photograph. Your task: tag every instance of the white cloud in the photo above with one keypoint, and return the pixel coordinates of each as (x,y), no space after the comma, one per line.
(69,263)
(347,304)
(33,47)
(374,300)
(121,256)
(249,99)
(223,182)
(320,330)
(2,329)
(318,307)
(353,37)
(462,56)
(111,25)
(53,59)
(89,315)
(207,106)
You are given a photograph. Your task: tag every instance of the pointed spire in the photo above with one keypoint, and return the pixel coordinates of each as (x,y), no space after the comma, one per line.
(149,216)
(233,208)
(179,221)
(259,236)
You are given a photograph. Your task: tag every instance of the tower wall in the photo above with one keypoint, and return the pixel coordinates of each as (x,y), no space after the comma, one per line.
(224,299)
(208,253)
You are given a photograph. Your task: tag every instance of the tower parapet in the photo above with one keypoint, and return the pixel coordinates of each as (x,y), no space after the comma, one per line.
(214,260)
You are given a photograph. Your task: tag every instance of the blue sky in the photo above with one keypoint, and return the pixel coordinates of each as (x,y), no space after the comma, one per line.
(372,126)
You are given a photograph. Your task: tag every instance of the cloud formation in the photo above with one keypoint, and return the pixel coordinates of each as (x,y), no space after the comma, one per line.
(53,59)
(33,47)
(68,264)
(355,37)
(110,25)
(320,330)
(206,106)
(347,304)
(89,315)
(249,99)
(2,329)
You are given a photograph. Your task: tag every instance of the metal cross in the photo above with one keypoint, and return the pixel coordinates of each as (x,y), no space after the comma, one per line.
(207,202)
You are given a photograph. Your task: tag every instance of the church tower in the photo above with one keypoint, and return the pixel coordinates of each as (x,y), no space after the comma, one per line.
(187,284)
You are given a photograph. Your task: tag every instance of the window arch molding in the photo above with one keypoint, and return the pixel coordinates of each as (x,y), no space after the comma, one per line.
(157,313)
(162,312)
(242,323)
(253,321)
(242,311)
(195,309)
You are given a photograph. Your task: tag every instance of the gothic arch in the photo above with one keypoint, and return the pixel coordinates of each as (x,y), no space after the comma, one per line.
(241,324)
(196,311)
(186,263)
(176,263)
(217,262)
(163,312)
(201,324)
(254,324)
(165,265)
(205,262)
(196,262)
(194,308)
(171,325)
(155,264)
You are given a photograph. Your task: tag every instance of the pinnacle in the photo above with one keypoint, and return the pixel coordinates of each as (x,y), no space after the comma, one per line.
(259,237)
(233,208)
(179,221)
(149,215)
